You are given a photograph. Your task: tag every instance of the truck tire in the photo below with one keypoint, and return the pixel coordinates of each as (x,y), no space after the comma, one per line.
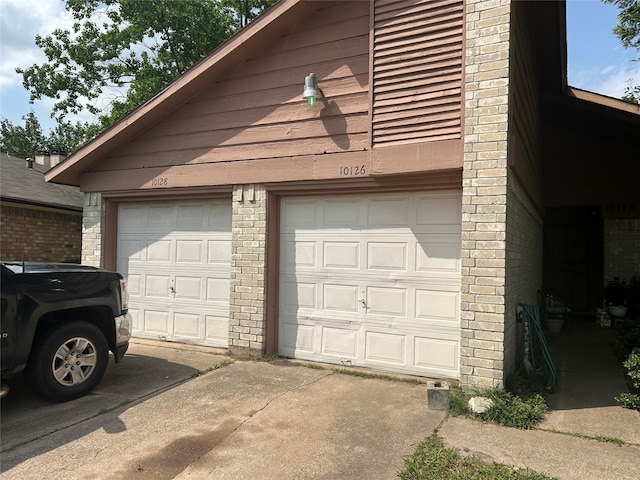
(68,361)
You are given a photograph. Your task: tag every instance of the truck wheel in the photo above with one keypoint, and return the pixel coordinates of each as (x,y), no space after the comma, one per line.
(68,361)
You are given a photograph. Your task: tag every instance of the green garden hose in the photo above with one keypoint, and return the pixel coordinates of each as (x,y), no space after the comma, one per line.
(536,358)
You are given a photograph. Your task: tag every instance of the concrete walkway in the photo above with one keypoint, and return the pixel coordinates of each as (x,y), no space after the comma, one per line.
(154,417)
(580,410)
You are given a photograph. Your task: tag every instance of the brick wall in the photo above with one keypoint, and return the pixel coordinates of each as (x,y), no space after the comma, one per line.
(484,192)
(92,222)
(523,276)
(40,236)
(248,261)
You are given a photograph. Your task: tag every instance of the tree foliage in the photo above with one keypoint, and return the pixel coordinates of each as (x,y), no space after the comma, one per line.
(128,50)
(24,141)
(628,31)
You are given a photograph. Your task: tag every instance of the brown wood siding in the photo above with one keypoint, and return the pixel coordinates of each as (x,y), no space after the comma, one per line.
(256,110)
(524,124)
(417,71)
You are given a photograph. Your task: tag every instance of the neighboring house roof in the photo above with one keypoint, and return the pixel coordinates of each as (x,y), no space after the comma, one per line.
(21,184)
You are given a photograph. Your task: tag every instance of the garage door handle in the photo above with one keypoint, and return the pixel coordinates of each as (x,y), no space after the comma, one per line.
(364,303)
(172,290)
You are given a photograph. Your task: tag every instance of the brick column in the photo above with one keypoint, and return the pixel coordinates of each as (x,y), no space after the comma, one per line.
(484,192)
(248,262)
(92,222)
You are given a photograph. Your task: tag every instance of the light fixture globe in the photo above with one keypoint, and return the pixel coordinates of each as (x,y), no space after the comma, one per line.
(311,91)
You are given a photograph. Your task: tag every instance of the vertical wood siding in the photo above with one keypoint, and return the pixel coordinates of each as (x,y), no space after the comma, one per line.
(256,110)
(417,71)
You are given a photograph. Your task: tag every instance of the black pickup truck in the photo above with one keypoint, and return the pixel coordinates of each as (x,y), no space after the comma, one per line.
(59,322)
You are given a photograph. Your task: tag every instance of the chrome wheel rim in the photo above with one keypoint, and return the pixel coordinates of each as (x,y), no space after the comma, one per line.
(74,361)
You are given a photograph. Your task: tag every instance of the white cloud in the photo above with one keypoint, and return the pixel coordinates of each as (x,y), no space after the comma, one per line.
(611,80)
(607,69)
(615,84)
(20,22)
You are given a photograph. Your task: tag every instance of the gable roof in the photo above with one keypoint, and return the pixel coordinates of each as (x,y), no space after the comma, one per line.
(546,19)
(21,184)
(267,26)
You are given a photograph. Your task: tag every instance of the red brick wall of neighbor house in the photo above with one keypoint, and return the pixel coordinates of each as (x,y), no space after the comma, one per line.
(39,236)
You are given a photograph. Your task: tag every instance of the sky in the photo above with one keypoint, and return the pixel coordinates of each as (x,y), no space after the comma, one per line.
(596,60)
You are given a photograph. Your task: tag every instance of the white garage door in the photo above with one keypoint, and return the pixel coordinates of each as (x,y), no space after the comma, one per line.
(176,257)
(372,280)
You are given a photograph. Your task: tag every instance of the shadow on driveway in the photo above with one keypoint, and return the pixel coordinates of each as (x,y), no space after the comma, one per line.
(148,369)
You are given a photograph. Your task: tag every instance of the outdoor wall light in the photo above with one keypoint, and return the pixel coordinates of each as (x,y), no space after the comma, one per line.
(311,90)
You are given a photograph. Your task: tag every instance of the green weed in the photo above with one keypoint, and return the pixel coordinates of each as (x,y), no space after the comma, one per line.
(432,460)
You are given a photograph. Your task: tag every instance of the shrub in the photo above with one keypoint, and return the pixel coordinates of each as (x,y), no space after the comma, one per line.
(628,335)
(632,399)
(521,406)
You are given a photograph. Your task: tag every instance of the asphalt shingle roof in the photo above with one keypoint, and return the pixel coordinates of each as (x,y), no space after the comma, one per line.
(27,185)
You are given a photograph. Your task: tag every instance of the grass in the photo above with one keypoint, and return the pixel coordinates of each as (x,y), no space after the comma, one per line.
(522,404)
(433,461)
(224,363)
(598,438)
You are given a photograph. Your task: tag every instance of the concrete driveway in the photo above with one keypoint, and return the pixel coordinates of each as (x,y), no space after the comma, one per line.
(153,416)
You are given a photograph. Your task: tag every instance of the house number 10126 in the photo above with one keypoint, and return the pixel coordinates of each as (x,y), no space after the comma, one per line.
(352,171)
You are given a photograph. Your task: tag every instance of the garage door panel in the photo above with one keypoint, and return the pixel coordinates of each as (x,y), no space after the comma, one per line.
(161,218)
(442,255)
(344,255)
(219,252)
(297,214)
(298,296)
(155,321)
(387,256)
(437,355)
(219,218)
(177,258)
(385,348)
(339,342)
(218,290)
(189,251)
(340,297)
(157,286)
(217,330)
(158,251)
(299,255)
(375,278)
(437,305)
(296,337)
(130,217)
(344,213)
(386,301)
(191,217)
(388,212)
(186,325)
(439,210)
(188,288)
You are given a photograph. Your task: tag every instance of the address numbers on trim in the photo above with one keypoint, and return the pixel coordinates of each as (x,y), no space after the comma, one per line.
(160,182)
(352,171)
